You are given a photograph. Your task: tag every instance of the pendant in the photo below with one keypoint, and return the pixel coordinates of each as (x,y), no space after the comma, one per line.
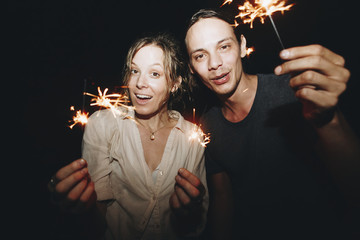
(152,136)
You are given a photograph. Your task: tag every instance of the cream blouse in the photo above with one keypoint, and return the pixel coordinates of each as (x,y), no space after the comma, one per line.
(138,199)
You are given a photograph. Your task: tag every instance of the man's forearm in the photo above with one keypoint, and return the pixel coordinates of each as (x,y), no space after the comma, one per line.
(339,147)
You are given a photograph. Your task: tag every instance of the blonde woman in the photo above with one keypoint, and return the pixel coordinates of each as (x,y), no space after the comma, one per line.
(140,176)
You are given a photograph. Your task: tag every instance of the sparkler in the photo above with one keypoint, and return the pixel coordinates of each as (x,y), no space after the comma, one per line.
(197,134)
(80,117)
(261,8)
(111,101)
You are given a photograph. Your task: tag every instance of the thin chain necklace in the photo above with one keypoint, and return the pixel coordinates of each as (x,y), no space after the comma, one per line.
(152,133)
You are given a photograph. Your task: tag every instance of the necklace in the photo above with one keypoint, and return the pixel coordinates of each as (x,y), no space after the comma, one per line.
(152,133)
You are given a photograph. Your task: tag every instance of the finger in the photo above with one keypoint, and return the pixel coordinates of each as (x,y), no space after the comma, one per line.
(194,180)
(75,193)
(68,183)
(312,50)
(88,197)
(317,81)
(191,190)
(174,202)
(70,169)
(183,197)
(320,98)
(316,63)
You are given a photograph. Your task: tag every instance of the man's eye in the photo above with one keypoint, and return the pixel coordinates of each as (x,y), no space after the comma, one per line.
(199,56)
(225,47)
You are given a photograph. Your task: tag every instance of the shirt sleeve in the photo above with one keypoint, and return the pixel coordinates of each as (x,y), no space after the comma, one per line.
(95,150)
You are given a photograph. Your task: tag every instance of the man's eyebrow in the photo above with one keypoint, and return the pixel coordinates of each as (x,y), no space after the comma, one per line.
(219,42)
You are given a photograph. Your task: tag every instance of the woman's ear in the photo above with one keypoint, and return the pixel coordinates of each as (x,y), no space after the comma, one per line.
(242,46)
(176,84)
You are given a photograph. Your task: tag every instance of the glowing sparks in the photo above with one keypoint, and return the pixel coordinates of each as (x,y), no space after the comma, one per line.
(226,2)
(79,118)
(262,8)
(198,135)
(111,101)
(249,51)
(235,24)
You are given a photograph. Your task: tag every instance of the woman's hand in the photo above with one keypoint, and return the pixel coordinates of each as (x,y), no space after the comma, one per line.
(72,187)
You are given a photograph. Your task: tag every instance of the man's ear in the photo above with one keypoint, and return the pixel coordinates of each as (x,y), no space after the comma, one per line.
(176,85)
(242,46)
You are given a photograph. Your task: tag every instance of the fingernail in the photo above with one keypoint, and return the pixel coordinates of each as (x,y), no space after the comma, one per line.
(82,162)
(285,54)
(181,170)
(278,70)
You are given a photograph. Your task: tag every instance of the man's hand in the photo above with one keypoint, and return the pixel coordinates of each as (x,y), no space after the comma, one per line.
(72,187)
(318,79)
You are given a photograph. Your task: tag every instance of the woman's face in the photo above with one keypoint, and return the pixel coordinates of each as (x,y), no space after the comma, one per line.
(148,86)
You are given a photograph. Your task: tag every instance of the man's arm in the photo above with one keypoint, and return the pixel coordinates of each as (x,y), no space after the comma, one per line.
(318,79)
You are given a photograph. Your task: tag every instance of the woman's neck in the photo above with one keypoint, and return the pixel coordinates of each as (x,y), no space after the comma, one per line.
(155,121)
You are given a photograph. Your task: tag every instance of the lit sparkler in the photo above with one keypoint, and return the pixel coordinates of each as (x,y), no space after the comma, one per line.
(261,8)
(198,135)
(80,117)
(111,101)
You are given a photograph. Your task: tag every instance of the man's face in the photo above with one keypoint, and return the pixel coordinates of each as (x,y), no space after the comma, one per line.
(214,54)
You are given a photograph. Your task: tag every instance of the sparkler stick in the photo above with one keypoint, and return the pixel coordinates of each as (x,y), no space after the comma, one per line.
(274,26)
(83,100)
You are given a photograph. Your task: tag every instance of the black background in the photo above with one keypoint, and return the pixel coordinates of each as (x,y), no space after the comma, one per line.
(54,45)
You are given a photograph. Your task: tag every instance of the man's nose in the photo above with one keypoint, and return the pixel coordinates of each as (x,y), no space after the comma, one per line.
(215,61)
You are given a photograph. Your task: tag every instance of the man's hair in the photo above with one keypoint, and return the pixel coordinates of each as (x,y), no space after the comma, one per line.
(210,13)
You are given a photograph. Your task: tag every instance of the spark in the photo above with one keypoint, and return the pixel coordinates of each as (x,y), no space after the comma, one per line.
(197,134)
(249,51)
(235,24)
(226,2)
(79,118)
(111,101)
(262,8)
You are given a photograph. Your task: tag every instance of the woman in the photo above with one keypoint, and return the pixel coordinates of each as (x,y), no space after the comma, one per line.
(141,176)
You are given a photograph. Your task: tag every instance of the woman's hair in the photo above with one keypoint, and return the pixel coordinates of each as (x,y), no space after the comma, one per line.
(174,66)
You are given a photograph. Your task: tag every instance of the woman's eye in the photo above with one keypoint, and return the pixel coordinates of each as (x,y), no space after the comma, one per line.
(134,71)
(155,74)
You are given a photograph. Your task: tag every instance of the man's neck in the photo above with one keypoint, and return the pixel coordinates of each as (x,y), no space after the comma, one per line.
(237,106)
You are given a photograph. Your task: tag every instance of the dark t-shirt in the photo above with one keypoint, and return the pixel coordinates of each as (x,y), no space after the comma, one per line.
(281,188)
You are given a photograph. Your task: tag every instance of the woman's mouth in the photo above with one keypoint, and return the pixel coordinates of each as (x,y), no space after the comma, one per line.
(142,98)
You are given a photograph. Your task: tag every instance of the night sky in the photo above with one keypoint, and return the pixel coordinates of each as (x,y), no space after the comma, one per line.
(55,45)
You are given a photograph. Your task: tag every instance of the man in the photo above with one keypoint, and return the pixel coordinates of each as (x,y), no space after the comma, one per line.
(282,161)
